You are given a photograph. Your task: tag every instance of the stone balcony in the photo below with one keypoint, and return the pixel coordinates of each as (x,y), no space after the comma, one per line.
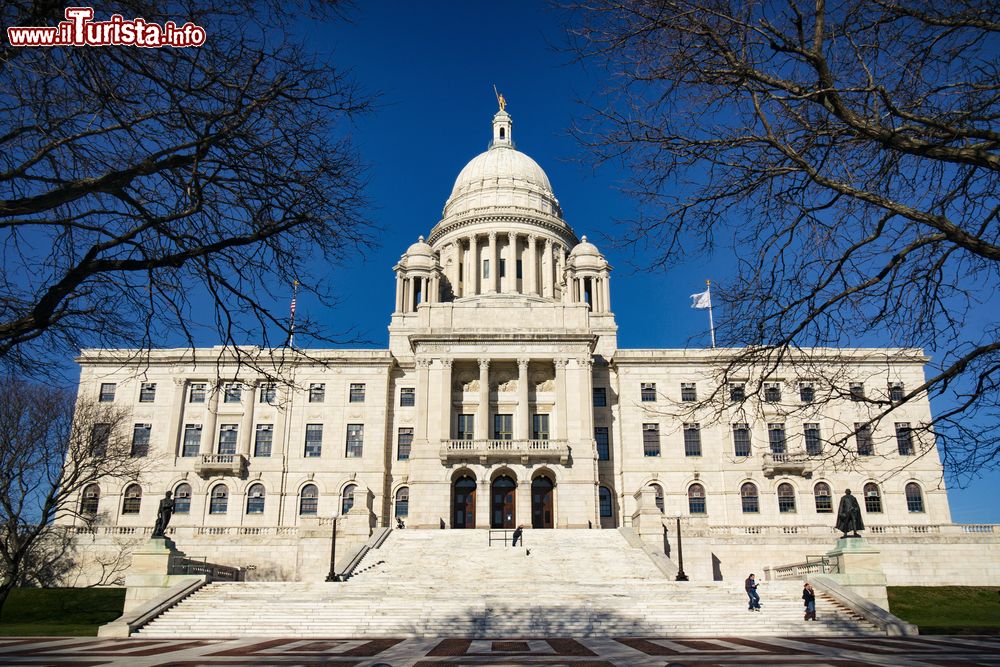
(522,451)
(787,463)
(221,464)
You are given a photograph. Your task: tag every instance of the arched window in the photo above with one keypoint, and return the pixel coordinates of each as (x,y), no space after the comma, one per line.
(824,498)
(502,133)
(748,495)
(347,498)
(873,498)
(255,499)
(182,499)
(309,500)
(914,499)
(696,499)
(133,499)
(786,498)
(219,502)
(402,501)
(659,495)
(91,497)
(604,494)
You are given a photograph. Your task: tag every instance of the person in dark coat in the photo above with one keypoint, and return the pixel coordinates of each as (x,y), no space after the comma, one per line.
(809,598)
(751,587)
(517,535)
(849,515)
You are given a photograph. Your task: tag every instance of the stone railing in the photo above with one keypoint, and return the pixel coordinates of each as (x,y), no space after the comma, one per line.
(787,463)
(199,565)
(221,464)
(812,565)
(524,451)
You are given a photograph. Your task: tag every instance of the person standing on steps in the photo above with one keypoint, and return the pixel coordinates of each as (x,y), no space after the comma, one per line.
(751,587)
(809,597)
(517,535)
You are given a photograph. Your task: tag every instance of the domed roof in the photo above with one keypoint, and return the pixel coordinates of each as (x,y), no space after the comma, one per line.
(584,247)
(500,166)
(420,248)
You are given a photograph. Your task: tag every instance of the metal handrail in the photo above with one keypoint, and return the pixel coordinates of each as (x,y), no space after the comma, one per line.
(505,531)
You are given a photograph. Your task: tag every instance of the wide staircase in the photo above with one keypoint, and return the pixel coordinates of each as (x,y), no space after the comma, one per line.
(572,583)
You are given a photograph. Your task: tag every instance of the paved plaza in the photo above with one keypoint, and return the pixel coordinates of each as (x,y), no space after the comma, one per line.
(831,652)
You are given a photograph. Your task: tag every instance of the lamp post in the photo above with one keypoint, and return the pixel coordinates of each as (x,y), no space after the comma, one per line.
(680,553)
(333,576)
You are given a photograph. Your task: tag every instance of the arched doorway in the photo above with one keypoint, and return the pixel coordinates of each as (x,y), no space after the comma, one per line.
(502,493)
(542,492)
(463,504)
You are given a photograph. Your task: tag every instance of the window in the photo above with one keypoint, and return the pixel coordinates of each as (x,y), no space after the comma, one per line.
(314,440)
(503,427)
(600,397)
(403,442)
(402,501)
(904,439)
(192,440)
(601,437)
(857,391)
(737,392)
(807,392)
(197,393)
(741,439)
(355,440)
(776,438)
(147,392)
(824,498)
(90,499)
(407,397)
(896,392)
(692,440)
(749,499)
(182,499)
(604,493)
(914,499)
(689,392)
(863,435)
(219,499)
(255,499)
(539,427)
(503,268)
(308,500)
(107,394)
(658,495)
(100,434)
(140,439)
(873,498)
(518,268)
(263,440)
(233,393)
(465,427)
(317,392)
(772,392)
(786,498)
(814,445)
(647,391)
(651,439)
(268,393)
(227,438)
(486,268)
(357,393)
(696,499)
(133,499)
(347,498)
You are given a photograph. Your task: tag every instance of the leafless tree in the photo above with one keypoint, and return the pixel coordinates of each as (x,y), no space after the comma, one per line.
(843,156)
(154,195)
(48,456)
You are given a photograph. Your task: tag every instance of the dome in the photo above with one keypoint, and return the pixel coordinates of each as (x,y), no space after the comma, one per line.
(585,248)
(498,167)
(420,248)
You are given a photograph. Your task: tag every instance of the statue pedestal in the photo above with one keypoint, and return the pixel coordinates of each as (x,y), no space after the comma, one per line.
(149,573)
(860,569)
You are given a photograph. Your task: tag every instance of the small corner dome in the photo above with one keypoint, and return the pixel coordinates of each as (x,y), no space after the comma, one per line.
(420,249)
(585,248)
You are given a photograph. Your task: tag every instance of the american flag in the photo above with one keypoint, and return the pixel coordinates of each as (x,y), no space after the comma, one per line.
(295,286)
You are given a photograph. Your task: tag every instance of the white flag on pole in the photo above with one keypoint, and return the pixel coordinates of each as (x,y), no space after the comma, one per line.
(702,299)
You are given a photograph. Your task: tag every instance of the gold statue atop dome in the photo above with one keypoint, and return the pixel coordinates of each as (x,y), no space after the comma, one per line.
(500,98)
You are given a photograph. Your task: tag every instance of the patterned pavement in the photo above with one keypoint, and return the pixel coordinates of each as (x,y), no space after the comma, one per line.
(708,652)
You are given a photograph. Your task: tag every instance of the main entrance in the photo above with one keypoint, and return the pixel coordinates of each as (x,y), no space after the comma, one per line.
(502,502)
(463,512)
(542,489)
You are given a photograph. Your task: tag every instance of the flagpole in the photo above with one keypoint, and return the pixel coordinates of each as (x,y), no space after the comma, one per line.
(711,322)
(291,325)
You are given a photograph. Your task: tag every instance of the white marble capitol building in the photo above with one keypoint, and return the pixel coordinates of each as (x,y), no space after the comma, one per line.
(503,399)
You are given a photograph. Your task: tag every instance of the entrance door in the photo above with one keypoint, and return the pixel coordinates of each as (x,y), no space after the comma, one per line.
(542,489)
(502,505)
(463,513)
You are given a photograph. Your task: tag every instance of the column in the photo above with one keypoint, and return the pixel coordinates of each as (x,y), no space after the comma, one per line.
(530,266)
(208,433)
(434,291)
(177,416)
(606,286)
(548,271)
(491,282)
(562,431)
(569,289)
(510,280)
(456,261)
(473,280)
(522,429)
(399,293)
(246,424)
(483,501)
(597,294)
(444,428)
(483,411)
(423,386)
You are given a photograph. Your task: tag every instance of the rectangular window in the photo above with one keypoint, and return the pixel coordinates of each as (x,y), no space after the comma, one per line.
(140,439)
(197,393)
(651,439)
(486,268)
(737,392)
(192,440)
(776,438)
(539,427)
(403,442)
(355,440)
(263,440)
(317,392)
(268,393)
(600,397)
(147,392)
(864,438)
(357,393)
(407,397)
(233,393)
(465,430)
(605,503)
(857,390)
(503,268)
(896,392)
(814,446)
(772,392)
(904,438)
(107,394)
(647,391)
(741,439)
(227,438)
(689,391)
(807,392)
(603,449)
(314,441)
(519,271)
(503,427)
(692,440)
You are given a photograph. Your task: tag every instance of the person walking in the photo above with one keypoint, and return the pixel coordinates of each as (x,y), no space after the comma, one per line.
(751,587)
(517,535)
(809,598)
